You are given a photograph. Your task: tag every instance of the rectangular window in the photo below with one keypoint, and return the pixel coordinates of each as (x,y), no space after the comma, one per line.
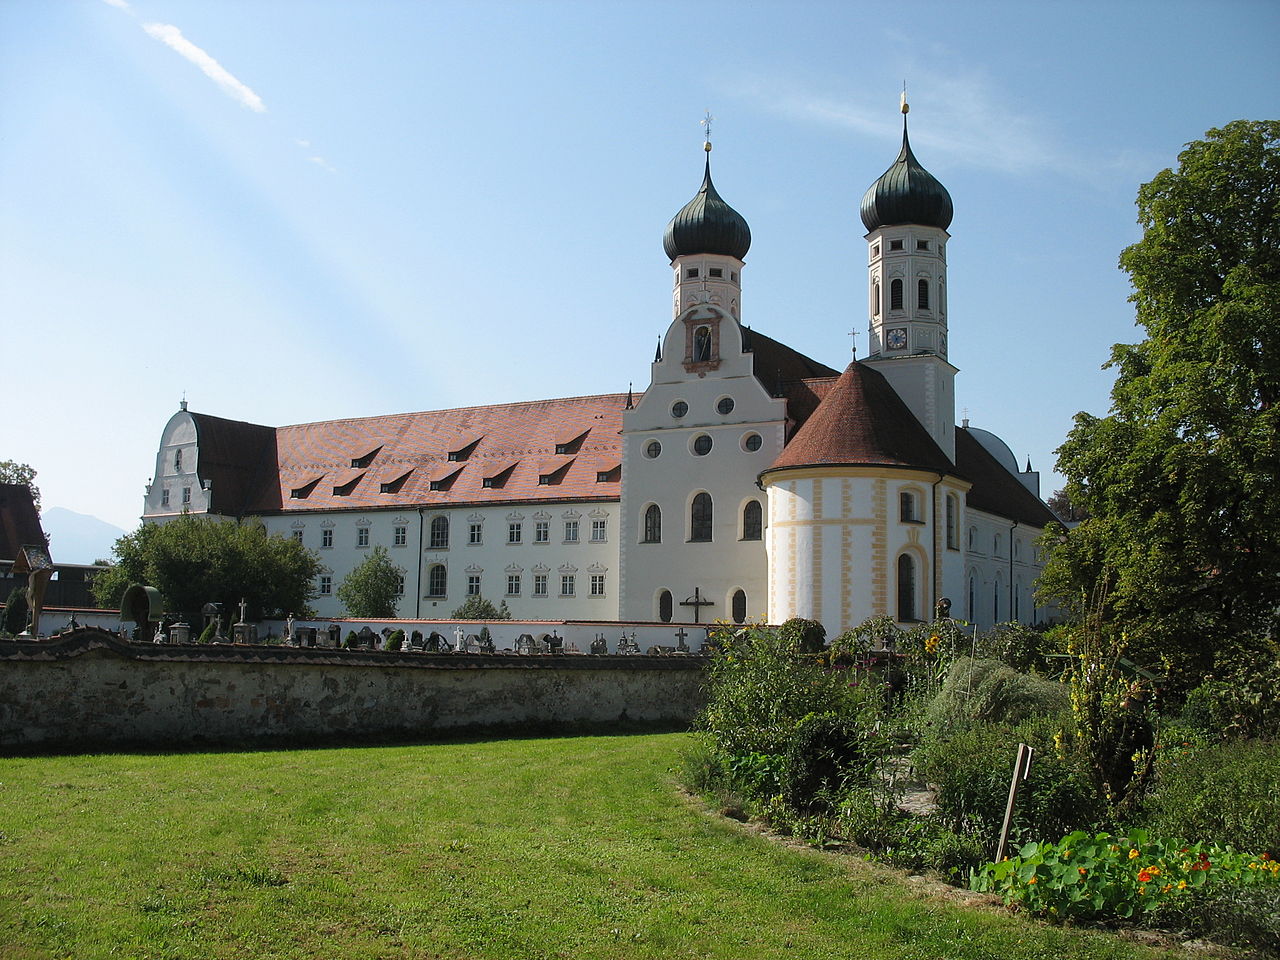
(539,584)
(476,533)
(473,585)
(691,273)
(401,536)
(297,535)
(186,494)
(400,585)
(907,507)
(326,584)
(541,532)
(362,537)
(489,483)
(715,272)
(598,531)
(513,584)
(571,531)
(326,537)
(597,584)
(922,244)
(177,460)
(164,497)
(566,585)
(895,244)
(515,532)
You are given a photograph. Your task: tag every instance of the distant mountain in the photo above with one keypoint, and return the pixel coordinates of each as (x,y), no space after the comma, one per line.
(78,537)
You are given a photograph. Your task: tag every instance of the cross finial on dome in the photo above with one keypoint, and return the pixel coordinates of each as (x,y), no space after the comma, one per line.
(706,122)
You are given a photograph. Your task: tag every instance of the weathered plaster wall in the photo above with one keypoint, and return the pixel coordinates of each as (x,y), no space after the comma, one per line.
(92,688)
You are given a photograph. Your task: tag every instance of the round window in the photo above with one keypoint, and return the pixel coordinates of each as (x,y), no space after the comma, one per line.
(679,409)
(752,442)
(702,444)
(653,449)
(725,406)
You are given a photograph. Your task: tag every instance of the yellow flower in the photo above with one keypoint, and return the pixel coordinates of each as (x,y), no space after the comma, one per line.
(1133,854)
(1033,880)
(1182,884)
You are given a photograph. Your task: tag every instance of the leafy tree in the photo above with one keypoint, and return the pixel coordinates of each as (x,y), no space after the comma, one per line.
(16,611)
(1064,509)
(13,472)
(372,590)
(194,560)
(1180,479)
(478,608)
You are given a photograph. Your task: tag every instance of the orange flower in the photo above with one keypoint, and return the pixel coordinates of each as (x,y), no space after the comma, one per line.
(1083,871)
(1144,876)
(1033,879)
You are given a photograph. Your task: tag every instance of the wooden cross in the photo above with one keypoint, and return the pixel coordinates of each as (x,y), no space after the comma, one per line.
(697,603)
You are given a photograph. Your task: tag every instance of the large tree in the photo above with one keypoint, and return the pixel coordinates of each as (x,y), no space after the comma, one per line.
(373,589)
(1180,481)
(195,560)
(13,472)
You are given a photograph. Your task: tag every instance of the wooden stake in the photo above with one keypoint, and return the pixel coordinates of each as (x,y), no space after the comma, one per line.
(1021,768)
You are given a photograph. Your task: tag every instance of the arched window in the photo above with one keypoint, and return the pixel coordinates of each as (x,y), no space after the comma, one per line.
(752,522)
(922,294)
(177,460)
(973,599)
(953,522)
(700,519)
(439,532)
(895,295)
(437,581)
(995,603)
(702,344)
(652,524)
(875,299)
(738,606)
(664,606)
(906,588)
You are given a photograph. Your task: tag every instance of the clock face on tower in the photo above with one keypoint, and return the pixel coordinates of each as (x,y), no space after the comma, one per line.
(896,339)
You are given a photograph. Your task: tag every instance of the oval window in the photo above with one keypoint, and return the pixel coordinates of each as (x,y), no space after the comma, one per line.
(679,409)
(701,445)
(752,443)
(653,449)
(725,406)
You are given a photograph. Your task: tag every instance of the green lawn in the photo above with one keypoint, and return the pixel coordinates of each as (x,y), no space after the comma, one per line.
(570,847)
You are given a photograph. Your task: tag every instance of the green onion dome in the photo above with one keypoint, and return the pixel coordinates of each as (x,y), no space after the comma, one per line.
(706,224)
(906,193)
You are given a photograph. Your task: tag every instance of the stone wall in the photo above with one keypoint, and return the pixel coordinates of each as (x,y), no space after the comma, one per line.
(91,688)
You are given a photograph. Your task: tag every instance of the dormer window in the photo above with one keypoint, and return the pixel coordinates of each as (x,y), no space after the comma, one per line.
(364,461)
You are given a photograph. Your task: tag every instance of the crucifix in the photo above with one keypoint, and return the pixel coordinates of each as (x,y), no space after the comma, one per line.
(243,606)
(853,334)
(697,603)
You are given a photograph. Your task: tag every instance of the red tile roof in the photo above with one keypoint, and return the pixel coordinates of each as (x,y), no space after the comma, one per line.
(862,421)
(519,436)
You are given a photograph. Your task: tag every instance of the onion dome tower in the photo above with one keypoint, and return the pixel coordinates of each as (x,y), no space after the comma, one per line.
(907,212)
(706,243)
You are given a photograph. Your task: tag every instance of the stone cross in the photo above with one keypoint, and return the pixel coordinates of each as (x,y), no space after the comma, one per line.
(243,607)
(680,644)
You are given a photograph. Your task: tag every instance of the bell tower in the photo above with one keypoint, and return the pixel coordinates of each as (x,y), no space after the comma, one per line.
(906,213)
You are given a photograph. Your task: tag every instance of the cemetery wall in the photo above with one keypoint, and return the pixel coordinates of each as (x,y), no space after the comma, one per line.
(92,688)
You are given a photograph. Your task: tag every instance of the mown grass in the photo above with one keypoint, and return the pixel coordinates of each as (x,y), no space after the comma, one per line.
(559,847)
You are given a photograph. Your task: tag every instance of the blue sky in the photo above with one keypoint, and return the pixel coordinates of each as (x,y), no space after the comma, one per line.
(298,210)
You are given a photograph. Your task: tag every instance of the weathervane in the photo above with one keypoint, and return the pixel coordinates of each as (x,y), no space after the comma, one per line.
(706,122)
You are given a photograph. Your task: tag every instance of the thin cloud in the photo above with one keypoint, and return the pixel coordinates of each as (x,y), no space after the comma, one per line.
(172,37)
(119,5)
(322,163)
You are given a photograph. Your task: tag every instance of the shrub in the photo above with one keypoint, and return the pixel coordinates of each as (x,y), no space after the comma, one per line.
(759,688)
(804,636)
(1241,916)
(1104,877)
(1222,794)
(208,633)
(827,751)
(971,769)
(1017,645)
(15,611)
(396,640)
(1242,702)
(990,691)
(350,640)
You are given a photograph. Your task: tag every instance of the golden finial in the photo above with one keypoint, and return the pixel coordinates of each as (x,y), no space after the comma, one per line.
(706,122)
